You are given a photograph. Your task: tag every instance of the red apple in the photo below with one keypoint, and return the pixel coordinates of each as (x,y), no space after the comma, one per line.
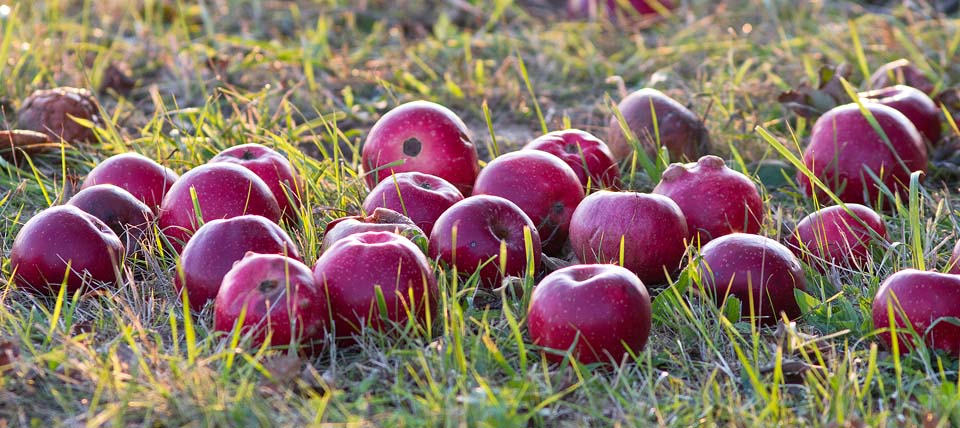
(914,104)
(715,200)
(953,266)
(587,155)
(755,269)
(542,185)
(844,146)
(590,8)
(118,209)
(901,72)
(59,237)
(469,236)
(223,190)
(679,129)
(602,311)
(275,170)
(425,137)
(381,220)
(919,299)
(279,300)
(649,229)
(217,245)
(421,197)
(352,270)
(837,234)
(145,179)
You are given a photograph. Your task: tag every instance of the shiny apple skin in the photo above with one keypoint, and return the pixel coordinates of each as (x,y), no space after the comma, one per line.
(426,137)
(278,297)
(421,197)
(223,190)
(735,264)
(681,131)
(482,222)
(832,235)
(380,220)
(914,104)
(275,170)
(60,235)
(652,228)
(715,200)
(143,177)
(919,299)
(126,215)
(354,266)
(843,146)
(217,245)
(542,185)
(588,156)
(604,309)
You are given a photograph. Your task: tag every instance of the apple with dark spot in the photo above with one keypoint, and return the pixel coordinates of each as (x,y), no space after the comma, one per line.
(588,156)
(278,297)
(601,311)
(924,301)
(275,170)
(421,197)
(424,137)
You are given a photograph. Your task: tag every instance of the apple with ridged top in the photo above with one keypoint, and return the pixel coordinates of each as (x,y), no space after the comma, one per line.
(380,220)
(421,197)
(425,137)
(601,311)
(588,156)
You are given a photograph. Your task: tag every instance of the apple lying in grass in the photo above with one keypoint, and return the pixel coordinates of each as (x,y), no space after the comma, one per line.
(118,209)
(844,147)
(217,245)
(901,72)
(657,120)
(368,271)
(755,269)
(222,190)
(924,301)
(469,236)
(145,179)
(421,197)
(837,235)
(647,232)
(275,170)
(381,220)
(59,238)
(610,319)
(914,104)
(715,200)
(542,185)
(421,136)
(52,111)
(590,8)
(279,300)
(588,156)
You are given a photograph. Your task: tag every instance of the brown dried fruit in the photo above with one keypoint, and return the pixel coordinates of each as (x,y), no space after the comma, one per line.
(14,145)
(117,77)
(49,111)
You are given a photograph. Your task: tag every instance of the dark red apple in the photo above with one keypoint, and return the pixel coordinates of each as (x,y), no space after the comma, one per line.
(590,8)
(275,170)
(901,72)
(715,200)
(914,104)
(355,267)
(118,209)
(50,110)
(601,311)
(223,190)
(542,185)
(649,229)
(837,235)
(145,179)
(421,197)
(279,300)
(679,129)
(469,235)
(59,237)
(425,137)
(919,299)
(217,245)
(844,146)
(381,220)
(587,155)
(756,269)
